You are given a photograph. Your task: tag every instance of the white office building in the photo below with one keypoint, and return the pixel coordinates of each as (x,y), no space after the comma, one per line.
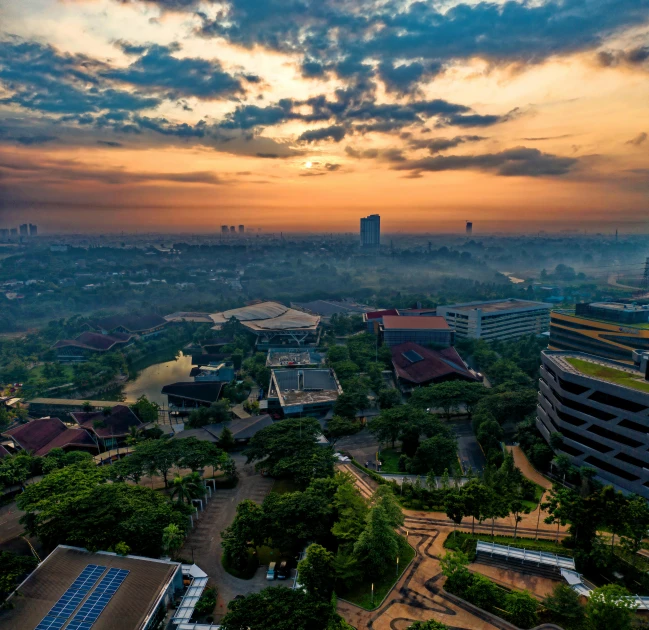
(371,231)
(497,319)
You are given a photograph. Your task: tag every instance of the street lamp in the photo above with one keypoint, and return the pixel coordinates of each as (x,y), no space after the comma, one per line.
(397,566)
(372,593)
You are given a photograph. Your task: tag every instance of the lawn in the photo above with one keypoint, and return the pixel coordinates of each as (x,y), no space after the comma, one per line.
(617,377)
(361,595)
(538,493)
(37,372)
(390,460)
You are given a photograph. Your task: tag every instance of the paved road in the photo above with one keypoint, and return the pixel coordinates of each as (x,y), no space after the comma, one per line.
(10,528)
(520,459)
(469,450)
(362,447)
(205,539)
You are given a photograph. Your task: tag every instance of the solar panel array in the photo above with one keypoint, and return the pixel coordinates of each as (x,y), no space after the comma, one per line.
(68,602)
(412,356)
(98,600)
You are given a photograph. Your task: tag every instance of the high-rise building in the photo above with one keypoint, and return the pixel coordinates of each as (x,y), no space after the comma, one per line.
(33,230)
(4,234)
(469,228)
(24,229)
(233,230)
(14,231)
(371,231)
(242,229)
(224,229)
(600,409)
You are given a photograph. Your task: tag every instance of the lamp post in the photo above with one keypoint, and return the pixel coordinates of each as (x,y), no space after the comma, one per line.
(372,594)
(397,566)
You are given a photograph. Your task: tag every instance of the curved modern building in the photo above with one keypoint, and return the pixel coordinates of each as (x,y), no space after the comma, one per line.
(601,408)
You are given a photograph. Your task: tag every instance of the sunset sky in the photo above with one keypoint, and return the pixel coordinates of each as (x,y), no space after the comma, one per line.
(180,115)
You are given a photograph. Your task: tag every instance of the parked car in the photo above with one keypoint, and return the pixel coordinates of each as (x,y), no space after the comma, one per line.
(283,572)
(270,574)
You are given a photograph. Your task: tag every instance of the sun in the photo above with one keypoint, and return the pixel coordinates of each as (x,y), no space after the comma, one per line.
(308,165)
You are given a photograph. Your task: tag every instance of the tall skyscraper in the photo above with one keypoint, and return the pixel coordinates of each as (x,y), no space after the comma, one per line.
(233,230)
(33,230)
(14,231)
(242,229)
(224,229)
(469,228)
(24,229)
(371,231)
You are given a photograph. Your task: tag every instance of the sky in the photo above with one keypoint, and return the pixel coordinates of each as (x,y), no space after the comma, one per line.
(296,115)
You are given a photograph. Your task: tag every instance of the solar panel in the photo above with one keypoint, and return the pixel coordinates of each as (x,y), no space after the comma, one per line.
(413,356)
(73,596)
(98,600)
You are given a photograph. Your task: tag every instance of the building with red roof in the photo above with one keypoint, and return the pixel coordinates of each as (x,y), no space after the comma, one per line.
(109,428)
(40,436)
(396,330)
(373,319)
(416,366)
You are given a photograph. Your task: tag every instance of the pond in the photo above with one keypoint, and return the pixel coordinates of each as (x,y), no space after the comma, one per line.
(151,379)
(512,278)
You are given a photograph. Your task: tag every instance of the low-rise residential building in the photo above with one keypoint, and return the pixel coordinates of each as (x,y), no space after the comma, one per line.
(416,366)
(40,436)
(497,319)
(297,392)
(601,408)
(610,331)
(243,430)
(141,325)
(109,427)
(79,589)
(396,330)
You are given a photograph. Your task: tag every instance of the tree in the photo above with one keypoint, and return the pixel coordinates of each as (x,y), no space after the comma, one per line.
(522,609)
(352,511)
(454,567)
(351,402)
(145,410)
(226,439)
(389,398)
(216,413)
(339,427)
(610,606)
(196,454)
(435,454)
(565,607)
(378,545)
(207,602)
(477,499)
(635,524)
(158,456)
(245,532)
(384,496)
(279,609)
(172,539)
(428,625)
(517,507)
(185,489)
(128,468)
(446,396)
(290,449)
(13,568)
(86,407)
(317,572)
(455,508)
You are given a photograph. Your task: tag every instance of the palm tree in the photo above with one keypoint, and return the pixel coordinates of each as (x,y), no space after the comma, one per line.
(187,488)
(134,435)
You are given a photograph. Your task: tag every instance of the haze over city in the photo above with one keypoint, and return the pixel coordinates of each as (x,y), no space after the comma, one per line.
(180,115)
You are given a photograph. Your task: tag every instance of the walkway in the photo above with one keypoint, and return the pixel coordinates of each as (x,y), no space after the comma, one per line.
(520,459)
(205,539)
(419,594)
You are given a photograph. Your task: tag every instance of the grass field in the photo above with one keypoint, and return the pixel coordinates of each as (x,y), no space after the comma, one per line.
(390,459)
(617,377)
(361,595)
(463,541)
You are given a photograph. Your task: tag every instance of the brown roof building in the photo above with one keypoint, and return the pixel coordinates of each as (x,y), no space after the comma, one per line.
(396,330)
(88,343)
(110,429)
(131,324)
(416,366)
(41,436)
(79,589)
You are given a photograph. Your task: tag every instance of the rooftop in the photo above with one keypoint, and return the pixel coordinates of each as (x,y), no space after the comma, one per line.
(41,436)
(609,325)
(107,425)
(203,391)
(380,314)
(268,316)
(601,369)
(392,322)
(290,357)
(309,386)
(129,607)
(95,341)
(417,364)
(132,323)
(496,306)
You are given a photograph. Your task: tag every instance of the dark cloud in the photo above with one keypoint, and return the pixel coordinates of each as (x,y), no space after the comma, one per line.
(109,143)
(24,139)
(386,155)
(435,145)
(477,120)
(637,56)
(40,78)
(520,161)
(561,137)
(405,78)
(157,68)
(638,140)
(334,133)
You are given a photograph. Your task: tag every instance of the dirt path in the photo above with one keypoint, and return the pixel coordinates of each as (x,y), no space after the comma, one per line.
(520,459)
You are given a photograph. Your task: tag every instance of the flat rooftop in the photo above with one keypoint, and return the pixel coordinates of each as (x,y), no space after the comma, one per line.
(619,306)
(128,607)
(308,386)
(606,324)
(497,306)
(601,369)
(292,357)
(392,322)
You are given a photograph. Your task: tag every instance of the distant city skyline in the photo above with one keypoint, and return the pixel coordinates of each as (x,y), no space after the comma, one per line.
(307,116)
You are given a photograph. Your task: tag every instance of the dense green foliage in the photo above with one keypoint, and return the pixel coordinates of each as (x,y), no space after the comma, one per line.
(13,568)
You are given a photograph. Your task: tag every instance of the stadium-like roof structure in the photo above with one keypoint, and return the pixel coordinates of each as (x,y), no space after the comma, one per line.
(268,320)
